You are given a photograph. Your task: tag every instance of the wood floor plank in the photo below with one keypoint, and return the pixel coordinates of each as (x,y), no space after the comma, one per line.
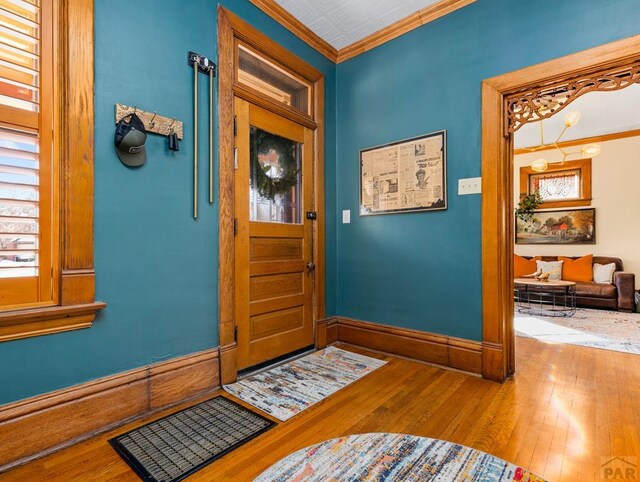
(569,388)
(567,409)
(581,434)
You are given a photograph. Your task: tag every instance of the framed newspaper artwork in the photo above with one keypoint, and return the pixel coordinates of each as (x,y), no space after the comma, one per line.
(404,176)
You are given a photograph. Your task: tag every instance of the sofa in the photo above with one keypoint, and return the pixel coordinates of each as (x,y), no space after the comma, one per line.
(619,295)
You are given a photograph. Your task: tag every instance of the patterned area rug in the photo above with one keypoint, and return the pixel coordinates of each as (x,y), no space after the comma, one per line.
(610,330)
(393,457)
(286,390)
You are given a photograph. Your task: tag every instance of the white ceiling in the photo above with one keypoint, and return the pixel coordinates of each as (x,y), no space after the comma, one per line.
(602,113)
(343,22)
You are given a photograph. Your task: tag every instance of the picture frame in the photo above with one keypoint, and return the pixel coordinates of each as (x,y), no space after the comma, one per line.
(404,176)
(560,226)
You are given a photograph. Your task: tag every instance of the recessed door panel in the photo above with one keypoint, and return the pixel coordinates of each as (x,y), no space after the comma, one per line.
(276,286)
(275,249)
(276,322)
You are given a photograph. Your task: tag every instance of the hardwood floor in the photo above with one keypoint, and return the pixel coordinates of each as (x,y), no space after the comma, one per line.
(568,410)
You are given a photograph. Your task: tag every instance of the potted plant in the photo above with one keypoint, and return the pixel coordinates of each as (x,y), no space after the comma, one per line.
(527,205)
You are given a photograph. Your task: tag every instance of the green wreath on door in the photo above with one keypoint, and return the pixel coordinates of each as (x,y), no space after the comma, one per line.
(271,186)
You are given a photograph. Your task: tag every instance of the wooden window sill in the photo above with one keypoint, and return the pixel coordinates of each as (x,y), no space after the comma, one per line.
(569,203)
(26,323)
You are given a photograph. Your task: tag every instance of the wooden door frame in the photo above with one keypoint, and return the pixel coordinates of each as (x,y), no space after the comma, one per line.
(230,30)
(498,338)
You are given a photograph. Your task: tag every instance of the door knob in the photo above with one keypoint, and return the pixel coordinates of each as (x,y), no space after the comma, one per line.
(311,266)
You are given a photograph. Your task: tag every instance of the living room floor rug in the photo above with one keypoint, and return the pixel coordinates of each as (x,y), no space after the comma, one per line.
(609,330)
(173,447)
(288,389)
(393,457)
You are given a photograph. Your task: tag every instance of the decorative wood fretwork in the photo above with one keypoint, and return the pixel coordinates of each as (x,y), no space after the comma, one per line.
(543,102)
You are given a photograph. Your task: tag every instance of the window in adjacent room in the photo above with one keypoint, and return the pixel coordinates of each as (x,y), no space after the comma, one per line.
(565,184)
(559,186)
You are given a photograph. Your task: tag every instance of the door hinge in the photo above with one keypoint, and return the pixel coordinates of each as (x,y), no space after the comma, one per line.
(235,334)
(312,215)
(235,226)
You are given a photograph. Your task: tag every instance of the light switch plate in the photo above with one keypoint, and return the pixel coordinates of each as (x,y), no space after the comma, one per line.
(471,185)
(346,216)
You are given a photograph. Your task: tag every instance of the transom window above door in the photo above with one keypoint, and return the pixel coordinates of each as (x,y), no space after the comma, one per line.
(267,78)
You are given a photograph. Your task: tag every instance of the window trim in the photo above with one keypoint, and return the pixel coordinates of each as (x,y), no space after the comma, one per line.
(582,165)
(73,148)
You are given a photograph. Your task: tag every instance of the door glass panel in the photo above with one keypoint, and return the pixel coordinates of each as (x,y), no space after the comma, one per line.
(275,178)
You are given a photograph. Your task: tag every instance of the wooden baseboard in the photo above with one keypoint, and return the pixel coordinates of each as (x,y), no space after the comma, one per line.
(36,426)
(326,332)
(228,363)
(446,351)
(332,331)
(494,359)
(321,334)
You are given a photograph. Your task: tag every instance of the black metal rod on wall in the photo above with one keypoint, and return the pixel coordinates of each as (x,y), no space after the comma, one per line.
(201,64)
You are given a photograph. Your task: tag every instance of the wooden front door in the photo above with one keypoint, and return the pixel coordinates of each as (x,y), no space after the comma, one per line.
(273,250)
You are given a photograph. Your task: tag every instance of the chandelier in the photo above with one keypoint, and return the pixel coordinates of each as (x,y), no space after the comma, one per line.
(587,151)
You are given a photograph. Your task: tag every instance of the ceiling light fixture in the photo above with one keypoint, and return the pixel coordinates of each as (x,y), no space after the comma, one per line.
(570,120)
(540,165)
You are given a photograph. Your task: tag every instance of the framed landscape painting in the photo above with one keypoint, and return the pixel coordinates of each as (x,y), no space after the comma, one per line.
(568,226)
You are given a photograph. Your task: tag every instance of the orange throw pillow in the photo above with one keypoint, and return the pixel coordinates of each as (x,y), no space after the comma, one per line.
(580,270)
(523,266)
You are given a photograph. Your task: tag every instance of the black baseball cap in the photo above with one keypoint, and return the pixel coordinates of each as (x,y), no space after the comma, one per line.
(129,140)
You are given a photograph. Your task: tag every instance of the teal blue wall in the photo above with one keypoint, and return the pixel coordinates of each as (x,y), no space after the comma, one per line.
(156,267)
(422,270)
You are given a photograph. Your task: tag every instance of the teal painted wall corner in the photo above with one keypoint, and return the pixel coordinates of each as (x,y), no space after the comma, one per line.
(423,270)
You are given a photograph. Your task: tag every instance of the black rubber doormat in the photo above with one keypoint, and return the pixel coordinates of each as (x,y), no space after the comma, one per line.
(176,446)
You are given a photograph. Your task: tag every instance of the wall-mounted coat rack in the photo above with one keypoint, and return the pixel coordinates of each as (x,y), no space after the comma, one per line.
(153,122)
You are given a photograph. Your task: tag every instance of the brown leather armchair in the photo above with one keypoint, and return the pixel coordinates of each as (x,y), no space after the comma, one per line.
(626,286)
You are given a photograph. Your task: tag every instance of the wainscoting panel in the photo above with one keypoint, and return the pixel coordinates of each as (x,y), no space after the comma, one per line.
(35,426)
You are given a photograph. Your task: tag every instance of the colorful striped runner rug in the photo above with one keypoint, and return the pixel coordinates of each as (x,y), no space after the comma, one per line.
(288,389)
